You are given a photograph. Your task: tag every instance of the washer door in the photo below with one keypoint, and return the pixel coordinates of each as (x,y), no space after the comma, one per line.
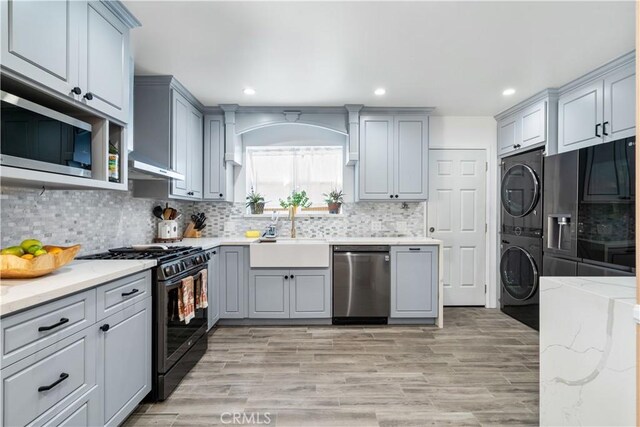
(519,273)
(520,190)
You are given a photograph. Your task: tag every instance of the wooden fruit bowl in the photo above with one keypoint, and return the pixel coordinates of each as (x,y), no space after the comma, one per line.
(14,267)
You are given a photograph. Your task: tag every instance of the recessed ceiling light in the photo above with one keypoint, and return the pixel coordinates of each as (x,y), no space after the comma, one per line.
(508,92)
(380,91)
(249,91)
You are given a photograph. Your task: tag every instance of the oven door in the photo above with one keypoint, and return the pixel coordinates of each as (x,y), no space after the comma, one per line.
(176,336)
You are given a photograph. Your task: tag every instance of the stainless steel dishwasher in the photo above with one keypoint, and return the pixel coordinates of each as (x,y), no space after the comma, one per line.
(361,284)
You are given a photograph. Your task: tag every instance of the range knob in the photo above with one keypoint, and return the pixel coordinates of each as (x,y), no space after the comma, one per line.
(167,271)
(177,268)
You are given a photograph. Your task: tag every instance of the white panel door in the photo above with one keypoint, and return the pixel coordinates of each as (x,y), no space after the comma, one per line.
(456,215)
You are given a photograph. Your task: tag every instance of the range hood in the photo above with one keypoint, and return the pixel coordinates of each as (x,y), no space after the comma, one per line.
(141,168)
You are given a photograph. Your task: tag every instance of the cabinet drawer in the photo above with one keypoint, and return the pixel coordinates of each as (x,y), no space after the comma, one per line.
(33,330)
(121,293)
(40,386)
(82,412)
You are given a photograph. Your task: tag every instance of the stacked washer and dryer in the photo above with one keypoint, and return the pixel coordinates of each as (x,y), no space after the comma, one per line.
(521,236)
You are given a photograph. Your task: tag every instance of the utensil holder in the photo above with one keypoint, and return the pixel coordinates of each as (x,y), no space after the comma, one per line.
(191,231)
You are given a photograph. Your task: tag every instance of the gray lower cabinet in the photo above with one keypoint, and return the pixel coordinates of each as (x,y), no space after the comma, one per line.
(289,294)
(213,288)
(233,278)
(310,293)
(124,355)
(214,169)
(269,293)
(414,282)
(64,364)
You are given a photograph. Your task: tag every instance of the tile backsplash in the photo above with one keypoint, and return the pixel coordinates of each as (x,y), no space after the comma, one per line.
(100,219)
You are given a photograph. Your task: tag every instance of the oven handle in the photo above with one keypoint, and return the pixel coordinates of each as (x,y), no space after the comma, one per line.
(175,281)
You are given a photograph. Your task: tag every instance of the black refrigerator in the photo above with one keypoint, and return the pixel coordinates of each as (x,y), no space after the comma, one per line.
(589,211)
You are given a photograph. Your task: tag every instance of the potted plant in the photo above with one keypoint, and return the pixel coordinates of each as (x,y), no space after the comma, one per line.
(334,199)
(255,202)
(297,199)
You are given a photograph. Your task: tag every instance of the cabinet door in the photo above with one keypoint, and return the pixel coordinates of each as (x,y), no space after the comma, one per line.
(40,41)
(269,294)
(181,109)
(104,62)
(414,281)
(194,167)
(124,358)
(213,288)
(508,134)
(411,150)
(620,104)
(533,122)
(232,283)
(214,170)
(580,115)
(376,158)
(309,294)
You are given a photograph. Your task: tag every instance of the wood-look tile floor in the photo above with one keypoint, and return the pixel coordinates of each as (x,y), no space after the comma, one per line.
(481,369)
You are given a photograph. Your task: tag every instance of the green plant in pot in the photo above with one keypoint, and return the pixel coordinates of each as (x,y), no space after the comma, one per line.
(297,199)
(334,199)
(255,202)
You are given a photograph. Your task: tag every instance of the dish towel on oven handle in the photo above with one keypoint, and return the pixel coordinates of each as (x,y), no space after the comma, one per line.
(202,300)
(186,300)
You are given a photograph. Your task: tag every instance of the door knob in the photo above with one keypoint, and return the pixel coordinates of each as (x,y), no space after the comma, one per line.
(431,230)
(88,96)
(76,90)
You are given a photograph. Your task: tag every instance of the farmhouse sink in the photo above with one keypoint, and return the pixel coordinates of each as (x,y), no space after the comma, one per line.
(290,253)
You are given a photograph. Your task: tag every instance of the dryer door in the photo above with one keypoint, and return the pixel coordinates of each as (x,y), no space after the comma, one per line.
(520,190)
(519,273)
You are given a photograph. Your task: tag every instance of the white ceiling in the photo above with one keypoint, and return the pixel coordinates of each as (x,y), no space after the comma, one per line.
(456,56)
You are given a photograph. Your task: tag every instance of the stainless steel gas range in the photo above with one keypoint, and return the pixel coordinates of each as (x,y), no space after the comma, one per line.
(177,345)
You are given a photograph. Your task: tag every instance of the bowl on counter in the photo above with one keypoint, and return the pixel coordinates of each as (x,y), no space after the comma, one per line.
(14,267)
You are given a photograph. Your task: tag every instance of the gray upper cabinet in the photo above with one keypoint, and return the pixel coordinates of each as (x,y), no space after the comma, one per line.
(104,54)
(376,157)
(233,276)
(414,282)
(124,355)
(580,114)
(186,147)
(168,132)
(599,107)
(213,288)
(309,293)
(393,157)
(79,49)
(410,158)
(40,42)
(214,169)
(620,104)
(269,293)
(528,124)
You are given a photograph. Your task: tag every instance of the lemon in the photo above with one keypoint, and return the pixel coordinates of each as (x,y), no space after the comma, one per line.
(13,250)
(55,250)
(40,252)
(33,249)
(26,244)
(27,256)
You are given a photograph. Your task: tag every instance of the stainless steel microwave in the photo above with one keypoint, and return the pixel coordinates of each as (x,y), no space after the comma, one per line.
(39,138)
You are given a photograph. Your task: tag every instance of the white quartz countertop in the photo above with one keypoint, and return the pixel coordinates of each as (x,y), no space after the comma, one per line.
(208,243)
(74,277)
(618,288)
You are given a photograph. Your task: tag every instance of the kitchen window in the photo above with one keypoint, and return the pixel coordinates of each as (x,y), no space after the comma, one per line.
(276,172)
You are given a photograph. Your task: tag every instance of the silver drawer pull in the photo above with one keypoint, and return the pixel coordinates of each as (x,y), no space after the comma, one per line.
(63,376)
(55,325)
